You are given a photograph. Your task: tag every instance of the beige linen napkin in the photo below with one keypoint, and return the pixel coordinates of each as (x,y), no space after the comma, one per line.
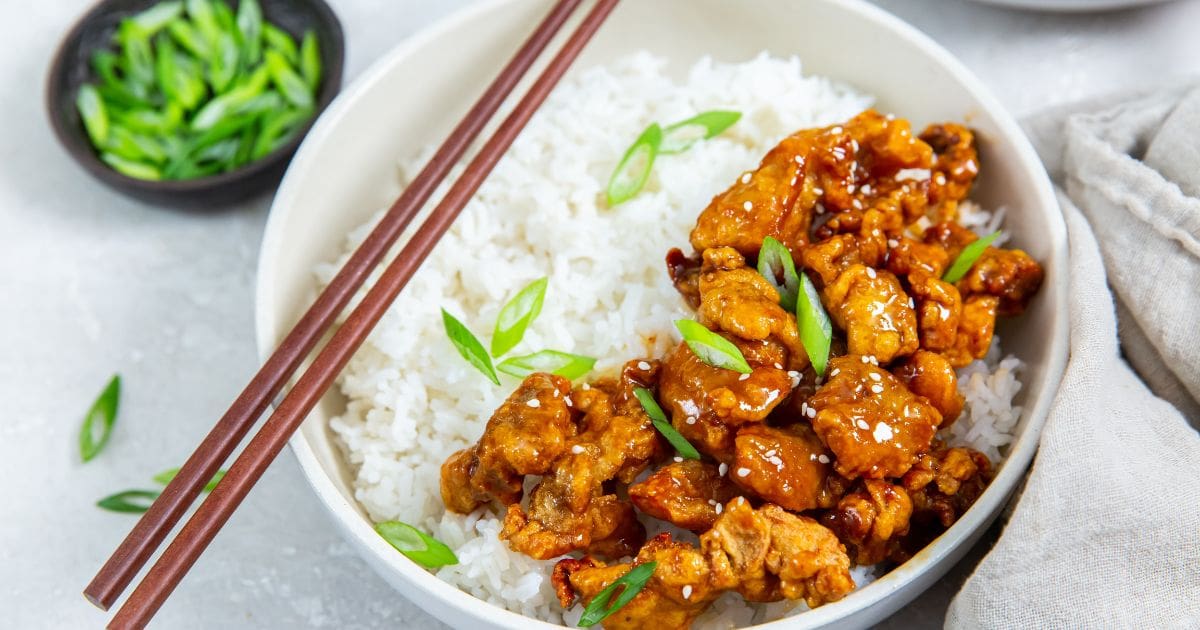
(1106,533)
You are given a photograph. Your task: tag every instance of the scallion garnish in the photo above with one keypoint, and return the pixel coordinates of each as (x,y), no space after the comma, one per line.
(564,364)
(130,501)
(468,346)
(680,136)
(967,257)
(516,315)
(659,418)
(98,423)
(310,60)
(634,168)
(94,114)
(418,546)
(712,348)
(167,475)
(775,261)
(603,604)
(816,331)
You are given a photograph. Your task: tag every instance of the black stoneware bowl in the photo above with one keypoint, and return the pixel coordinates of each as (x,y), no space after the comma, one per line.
(93,31)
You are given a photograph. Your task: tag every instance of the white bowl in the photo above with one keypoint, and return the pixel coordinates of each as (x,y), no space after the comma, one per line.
(1079,6)
(346,169)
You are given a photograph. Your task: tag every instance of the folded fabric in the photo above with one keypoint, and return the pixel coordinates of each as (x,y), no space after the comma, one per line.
(1106,533)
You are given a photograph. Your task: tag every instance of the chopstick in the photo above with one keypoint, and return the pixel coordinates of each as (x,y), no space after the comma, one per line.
(200,529)
(145,537)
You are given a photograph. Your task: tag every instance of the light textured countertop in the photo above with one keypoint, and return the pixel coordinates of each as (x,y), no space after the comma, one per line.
(94,283)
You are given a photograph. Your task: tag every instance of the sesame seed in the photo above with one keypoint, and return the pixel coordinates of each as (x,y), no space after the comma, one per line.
(793,374)
(865,359)
(811,413)
(720,508)
(835,372)
(837,129)
(877,389)
(678,459)
(687,591)
(882,432)
(743,471)
(743,377)
(850,189)
(911,304)
(577,449)
(819,191)
(746,178)
(799,159)
(722,469)
(793,181)
(804,408)
(893,242)
(778,366)
(535,403)
(812,457)
(568,401)
(823,458)
(712,501)
(874,376)
(586,387)
(690,420)
(871,273)
(770,453)
(642,365)
(872,359)
(776,461)
(862,424)
(748,206)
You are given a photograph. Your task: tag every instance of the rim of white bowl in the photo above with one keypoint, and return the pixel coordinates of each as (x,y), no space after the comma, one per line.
(983,512)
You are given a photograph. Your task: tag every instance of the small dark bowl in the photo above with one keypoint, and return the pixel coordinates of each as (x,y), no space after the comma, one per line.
(72,67)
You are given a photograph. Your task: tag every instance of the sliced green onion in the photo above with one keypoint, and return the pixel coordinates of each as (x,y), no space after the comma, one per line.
(223,65)
(517,314)
(277,130)
(167,475)
(94,115)
(967,257)
(158,16)
(564,364)
(233,101)
(310,60)
(250,23)
(98,423)
(774,261)
(712,348)
(205,19)
(133,146)
(131,168)
(468,346)
(664,427)
(279,40)
(634,168)
(190,38)
(174,80)
(130,501)
(137,57)
(630,584)
(816,331)
(680,136)
(287,81)
(418,546)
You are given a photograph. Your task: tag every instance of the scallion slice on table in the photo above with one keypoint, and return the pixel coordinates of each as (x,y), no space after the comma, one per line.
(468,346)
(679,137)
(967,257)
(774,262)
(98,423)
(659,418)
(517,314)
(634,168)
(167,475)
(129,501)
(564,364)
(603,604)
(420,547)
(816,331)
(712,348)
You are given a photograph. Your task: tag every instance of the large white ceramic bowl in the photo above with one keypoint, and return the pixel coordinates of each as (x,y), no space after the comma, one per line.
(347,165)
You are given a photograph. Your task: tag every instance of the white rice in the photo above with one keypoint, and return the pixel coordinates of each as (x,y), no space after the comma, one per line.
(412,401)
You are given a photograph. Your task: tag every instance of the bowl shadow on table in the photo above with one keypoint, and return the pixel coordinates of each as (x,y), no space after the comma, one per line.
(93,31)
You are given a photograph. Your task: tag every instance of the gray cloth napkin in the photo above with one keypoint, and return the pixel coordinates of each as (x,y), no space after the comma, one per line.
(1106,533)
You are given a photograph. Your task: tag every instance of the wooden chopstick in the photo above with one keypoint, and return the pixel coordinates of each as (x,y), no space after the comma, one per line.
(218,445)
(200,529)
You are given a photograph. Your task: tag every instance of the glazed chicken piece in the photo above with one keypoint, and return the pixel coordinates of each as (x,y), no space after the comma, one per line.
(876,313)
(930,375)
(943,484)
(871,421)
(830,257)
(570,508)
(707,404)
(954,168)
(939,310)
(738,300)
(1009,274)
(786,466)
(523,437)
(773,554)
(908,256)
(688,494)
(975,330)
(951,236)
(871,520)
(766,554)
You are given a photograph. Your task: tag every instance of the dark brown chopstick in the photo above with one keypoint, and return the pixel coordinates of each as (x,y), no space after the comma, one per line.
(200,529)
(218,445)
